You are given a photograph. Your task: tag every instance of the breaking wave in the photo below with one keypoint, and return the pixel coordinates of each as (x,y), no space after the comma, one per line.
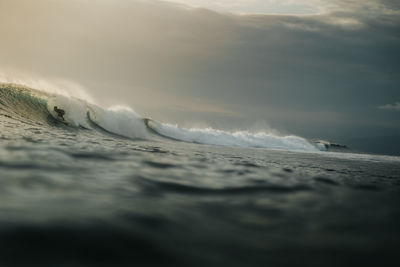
(27,104)
(240,138)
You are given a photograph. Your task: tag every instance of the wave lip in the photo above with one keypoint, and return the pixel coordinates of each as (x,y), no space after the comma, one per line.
(240,138)
(124,121)
(119,120)
(38,106)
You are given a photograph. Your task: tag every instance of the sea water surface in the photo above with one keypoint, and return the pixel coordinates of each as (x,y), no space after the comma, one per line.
(108,188)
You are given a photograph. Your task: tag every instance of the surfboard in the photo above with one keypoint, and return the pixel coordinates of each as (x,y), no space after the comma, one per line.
(63,121)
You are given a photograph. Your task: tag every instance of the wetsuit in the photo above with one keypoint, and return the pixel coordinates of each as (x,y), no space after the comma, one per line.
(60,112)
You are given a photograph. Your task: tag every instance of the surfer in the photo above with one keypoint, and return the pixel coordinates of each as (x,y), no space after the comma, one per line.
(60,112)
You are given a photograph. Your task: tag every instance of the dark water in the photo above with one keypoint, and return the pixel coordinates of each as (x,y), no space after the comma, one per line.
(77,197)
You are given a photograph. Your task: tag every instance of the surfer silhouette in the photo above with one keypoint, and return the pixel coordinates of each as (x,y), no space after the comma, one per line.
(60,112)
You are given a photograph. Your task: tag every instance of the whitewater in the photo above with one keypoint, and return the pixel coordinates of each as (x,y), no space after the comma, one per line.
(108,187)
(124,121)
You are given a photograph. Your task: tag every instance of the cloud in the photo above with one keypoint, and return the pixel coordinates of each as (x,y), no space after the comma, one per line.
(155,56)
(395,106)
(293,7)
(255,6)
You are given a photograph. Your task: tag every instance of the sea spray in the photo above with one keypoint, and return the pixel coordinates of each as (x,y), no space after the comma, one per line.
(75,109)
(239,138)
(124,121)
(119,120)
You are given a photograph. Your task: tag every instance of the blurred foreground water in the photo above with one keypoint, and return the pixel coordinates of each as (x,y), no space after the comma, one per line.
(70,196)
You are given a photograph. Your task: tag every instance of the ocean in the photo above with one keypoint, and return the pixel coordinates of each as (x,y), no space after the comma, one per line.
(106,187)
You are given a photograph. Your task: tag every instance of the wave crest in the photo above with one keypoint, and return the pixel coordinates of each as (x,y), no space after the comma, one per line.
(240,138)
(123,121)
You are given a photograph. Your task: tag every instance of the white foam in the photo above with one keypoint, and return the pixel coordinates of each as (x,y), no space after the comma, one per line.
(75,109)
(119,120)
(239,138)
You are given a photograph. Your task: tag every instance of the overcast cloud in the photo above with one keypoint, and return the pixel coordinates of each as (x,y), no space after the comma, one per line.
(294,7)
(320,75)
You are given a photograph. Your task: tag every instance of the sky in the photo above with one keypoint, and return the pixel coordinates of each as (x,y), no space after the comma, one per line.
(318,69)
(257,6)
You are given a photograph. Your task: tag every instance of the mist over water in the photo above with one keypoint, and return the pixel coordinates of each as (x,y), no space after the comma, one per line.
(159,152)
(239,138)
(323,75)
(126,122)
(107,187)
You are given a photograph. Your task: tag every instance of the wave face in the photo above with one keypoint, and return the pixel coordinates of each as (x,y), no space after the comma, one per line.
(23,103)
(119,120)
